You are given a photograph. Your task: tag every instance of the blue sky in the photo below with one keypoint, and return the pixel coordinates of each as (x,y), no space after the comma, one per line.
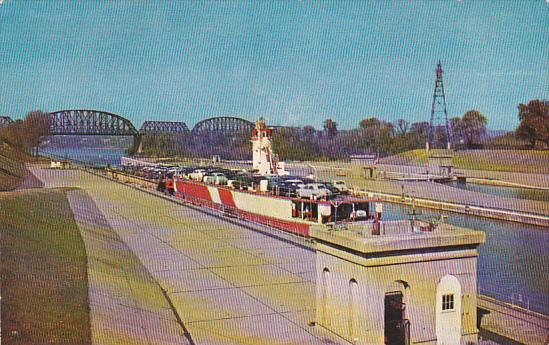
(295,63)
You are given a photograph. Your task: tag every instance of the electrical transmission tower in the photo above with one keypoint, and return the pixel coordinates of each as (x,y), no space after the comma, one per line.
(439,130)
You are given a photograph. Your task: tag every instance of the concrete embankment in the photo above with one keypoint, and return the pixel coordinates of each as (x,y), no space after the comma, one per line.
(500,183)
(513,322)
(127,304)
(501,214)
(228,283)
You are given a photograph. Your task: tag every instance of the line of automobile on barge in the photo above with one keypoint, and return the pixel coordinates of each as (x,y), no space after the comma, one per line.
(266,194)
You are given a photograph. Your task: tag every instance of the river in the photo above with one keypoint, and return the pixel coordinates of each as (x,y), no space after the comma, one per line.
(513,264)
(91,156)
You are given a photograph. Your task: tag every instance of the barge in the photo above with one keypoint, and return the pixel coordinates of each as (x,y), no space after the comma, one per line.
(294,215)
(258,204)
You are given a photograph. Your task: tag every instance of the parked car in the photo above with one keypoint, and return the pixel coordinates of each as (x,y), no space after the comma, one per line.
(215,178)
(332,188)
(314,191)
(242,181)
(341,186)
(197,174)
(288,187)
(285,189)
(359,215)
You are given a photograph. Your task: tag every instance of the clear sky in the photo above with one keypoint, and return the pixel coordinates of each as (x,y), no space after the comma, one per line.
(295,63)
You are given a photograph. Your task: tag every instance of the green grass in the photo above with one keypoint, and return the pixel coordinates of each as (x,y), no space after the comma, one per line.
(18,155)
(12,169)
(43,270)
(12,166)
(522,161)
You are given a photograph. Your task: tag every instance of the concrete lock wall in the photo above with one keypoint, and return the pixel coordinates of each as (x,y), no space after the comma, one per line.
(355,311)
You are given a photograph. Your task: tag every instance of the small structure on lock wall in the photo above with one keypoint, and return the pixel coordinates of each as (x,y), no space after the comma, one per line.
(441,164)
(398,285)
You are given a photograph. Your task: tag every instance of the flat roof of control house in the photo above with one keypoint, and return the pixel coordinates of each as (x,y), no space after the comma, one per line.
(396,236)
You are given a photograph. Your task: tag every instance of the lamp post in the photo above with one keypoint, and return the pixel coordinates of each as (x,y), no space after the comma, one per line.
(413,214)
(335,203)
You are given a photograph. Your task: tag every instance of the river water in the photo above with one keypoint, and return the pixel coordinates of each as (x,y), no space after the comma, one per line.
(92,156)
(513,264)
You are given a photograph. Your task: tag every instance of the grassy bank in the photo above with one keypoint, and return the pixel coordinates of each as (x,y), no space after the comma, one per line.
(12,166)
(12,169)
(43,271)
(531,161)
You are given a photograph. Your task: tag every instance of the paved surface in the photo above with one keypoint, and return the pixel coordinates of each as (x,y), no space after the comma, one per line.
(229,284)
(30,181)
(126,304)
(513,322)
(537,180)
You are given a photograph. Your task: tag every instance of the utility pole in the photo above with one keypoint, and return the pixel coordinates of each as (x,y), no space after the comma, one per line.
(439,116)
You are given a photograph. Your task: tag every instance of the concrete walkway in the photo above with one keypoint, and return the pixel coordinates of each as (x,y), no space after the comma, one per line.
(229,284)
(513,322)
(126,304)
(30,181)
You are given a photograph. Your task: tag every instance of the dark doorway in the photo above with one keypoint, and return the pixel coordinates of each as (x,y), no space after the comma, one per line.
(396,325)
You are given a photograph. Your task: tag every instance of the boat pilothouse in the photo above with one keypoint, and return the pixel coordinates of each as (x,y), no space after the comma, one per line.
(264,160)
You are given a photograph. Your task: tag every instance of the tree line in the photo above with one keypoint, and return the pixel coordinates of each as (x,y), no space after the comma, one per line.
(26,134)
(371,135)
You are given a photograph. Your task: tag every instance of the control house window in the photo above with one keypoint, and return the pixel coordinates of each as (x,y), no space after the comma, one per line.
(448,302)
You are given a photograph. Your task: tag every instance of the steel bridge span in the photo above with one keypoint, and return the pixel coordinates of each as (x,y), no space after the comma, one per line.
(155,127)
(89,122)
(226,125)
(96,122)
(92,122)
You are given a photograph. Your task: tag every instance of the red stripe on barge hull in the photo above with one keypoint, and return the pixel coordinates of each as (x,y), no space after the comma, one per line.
(198,194)
(226,197)
(196,191)
(285,225)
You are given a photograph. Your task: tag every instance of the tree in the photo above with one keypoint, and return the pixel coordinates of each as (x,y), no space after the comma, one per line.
(309,132)
(371,122)
(534,122)
(330,127)
(474,127)
(28,133)
(456,130)
(37,126)
(420,130)
(288,144)
(14,134)
(402,126)
(158,144)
